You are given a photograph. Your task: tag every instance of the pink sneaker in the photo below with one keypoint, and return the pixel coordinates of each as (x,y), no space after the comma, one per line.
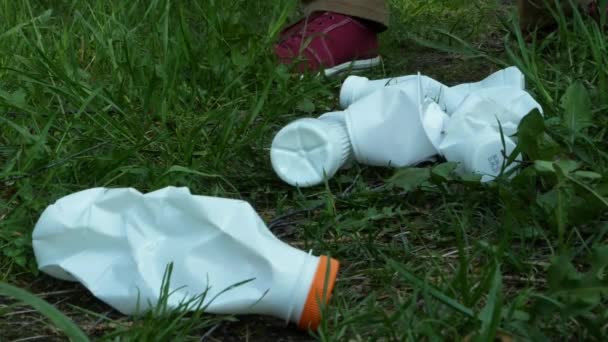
(330,41)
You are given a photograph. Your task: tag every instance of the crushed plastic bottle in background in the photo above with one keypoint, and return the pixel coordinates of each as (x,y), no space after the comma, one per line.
(404,121)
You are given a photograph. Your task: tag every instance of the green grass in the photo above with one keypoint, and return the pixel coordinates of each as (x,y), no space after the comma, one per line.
(148,94)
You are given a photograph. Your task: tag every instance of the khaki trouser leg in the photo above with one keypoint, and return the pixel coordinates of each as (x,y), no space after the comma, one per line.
(374,10)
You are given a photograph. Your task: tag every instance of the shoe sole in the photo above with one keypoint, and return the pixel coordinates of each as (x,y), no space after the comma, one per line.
(362,64)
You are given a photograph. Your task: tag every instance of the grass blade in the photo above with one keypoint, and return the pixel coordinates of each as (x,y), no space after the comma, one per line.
(437,294)
(60,321)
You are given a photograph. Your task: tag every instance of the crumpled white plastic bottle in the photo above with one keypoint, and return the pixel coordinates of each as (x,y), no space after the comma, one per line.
(386,129)
(382,129)
(480,134)
(119,242)
(403,124)
(355,88)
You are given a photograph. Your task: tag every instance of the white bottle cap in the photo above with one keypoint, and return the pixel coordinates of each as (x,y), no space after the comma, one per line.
(487,155)
(307,151)
(350,90)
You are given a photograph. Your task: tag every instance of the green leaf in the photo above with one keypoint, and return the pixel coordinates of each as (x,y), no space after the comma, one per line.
(566,165)
(599,260)
(471,178)
(556,203)
(579,292)
(543,166)
(443,172)
(589,175)
(238,58)
(561,213)
(59,320)
(533,140)
(306,105)
(561,268)
(410,178)
(577,109)
(597,195)
(15,99)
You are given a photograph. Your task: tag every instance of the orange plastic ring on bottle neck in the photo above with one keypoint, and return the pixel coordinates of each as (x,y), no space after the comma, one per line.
(320,292)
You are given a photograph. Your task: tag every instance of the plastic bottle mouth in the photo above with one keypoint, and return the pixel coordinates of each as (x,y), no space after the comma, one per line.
(320,293)
(307,151)
(350,89)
